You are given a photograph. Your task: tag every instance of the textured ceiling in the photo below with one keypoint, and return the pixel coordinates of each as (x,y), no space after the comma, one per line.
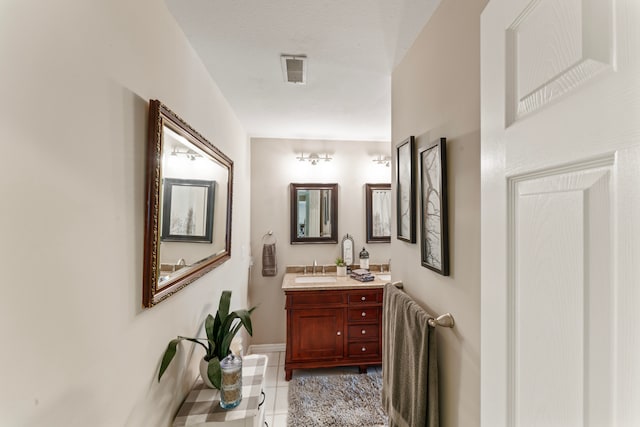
(351,46)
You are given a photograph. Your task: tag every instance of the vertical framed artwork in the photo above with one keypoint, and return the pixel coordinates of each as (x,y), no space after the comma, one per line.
(378,203)
(434,226)
(187,211)
(406,190)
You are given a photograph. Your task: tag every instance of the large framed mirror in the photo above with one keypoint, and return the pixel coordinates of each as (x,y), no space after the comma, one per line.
(188,214)
(378,206)
(314,213)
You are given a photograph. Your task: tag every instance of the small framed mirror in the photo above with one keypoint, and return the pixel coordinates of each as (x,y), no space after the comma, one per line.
(188,215)
(314,213)
(378,211)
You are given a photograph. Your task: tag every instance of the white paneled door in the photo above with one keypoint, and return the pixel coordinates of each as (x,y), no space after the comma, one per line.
(560,213)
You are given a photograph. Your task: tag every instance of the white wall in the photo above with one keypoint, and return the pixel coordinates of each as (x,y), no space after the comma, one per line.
(274,167)
(436,93)
(78,349)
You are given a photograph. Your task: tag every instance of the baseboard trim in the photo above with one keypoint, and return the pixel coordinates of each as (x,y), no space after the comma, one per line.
(266,348)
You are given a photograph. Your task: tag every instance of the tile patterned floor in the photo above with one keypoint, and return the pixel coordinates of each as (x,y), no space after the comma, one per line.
(277,388)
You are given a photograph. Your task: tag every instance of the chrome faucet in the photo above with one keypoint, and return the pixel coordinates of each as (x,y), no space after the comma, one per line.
(315,264)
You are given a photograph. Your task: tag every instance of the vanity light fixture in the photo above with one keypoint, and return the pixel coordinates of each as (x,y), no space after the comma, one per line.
(314,158)
(189,154)
(383,160)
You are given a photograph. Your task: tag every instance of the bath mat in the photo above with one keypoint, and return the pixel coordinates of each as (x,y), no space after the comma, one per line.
(336,400)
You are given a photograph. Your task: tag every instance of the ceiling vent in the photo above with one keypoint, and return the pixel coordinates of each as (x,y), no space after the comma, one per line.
(294,68)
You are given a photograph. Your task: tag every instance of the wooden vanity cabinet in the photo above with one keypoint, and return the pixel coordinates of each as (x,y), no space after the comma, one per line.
(326,328)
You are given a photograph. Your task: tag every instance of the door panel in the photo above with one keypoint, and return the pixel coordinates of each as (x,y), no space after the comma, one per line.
(627,299)
(552,48)
(560,297)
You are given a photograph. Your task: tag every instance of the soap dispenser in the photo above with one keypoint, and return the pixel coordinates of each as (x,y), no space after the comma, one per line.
(364,259)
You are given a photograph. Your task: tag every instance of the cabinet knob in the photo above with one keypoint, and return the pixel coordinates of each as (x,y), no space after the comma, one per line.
(363,332)
(363,298)
(339,333)
(364,314)
(364,348)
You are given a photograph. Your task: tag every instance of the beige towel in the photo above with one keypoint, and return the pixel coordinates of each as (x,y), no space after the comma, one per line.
(269,260)
(409,362)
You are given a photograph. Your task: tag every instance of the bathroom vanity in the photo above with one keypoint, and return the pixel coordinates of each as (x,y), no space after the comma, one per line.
(332,321)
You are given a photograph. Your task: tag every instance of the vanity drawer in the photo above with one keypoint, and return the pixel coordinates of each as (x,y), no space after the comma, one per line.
(306,298)
(363,314)
(364,349)
(361,332)
(370,296)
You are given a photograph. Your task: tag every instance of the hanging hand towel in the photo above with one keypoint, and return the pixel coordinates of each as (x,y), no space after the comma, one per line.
(409,362)
(269,260)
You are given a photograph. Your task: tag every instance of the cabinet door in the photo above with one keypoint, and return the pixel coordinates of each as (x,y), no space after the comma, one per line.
(317,334)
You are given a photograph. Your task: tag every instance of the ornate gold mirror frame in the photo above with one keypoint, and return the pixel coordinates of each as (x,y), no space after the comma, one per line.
(188,211)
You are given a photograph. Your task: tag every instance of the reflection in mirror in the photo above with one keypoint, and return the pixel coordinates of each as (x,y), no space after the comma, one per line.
(187,209)
(313,209)
(314,213)
(188,224)
(378,198)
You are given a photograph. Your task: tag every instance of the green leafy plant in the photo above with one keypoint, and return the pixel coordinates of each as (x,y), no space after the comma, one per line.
(340,262)
(220,331)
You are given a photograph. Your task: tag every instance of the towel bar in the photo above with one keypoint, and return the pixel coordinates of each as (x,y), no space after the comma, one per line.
(268,235)
(445,320)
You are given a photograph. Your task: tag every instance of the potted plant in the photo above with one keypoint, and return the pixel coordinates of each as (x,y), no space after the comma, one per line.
(220,331)
(341,268)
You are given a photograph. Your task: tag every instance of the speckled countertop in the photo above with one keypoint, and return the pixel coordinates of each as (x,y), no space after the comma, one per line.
(289,282)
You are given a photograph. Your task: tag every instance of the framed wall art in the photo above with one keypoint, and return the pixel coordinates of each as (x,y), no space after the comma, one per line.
(434,229)
(406,190)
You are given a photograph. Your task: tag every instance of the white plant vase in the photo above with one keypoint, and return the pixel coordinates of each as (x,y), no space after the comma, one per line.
(341,271)
(204,365)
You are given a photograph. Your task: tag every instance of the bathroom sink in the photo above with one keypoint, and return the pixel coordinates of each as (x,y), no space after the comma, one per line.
(315,279)
(384,277)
